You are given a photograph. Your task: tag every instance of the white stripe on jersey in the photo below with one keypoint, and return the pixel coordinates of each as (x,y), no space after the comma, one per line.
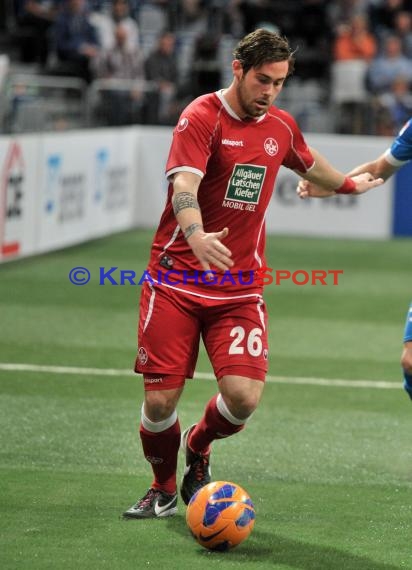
(305,168)
(150,310)
(184,169)
(392,160)
(256,255)
(261,315)
(172,239)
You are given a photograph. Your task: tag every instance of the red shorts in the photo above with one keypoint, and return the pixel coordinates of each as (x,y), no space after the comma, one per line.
(171,323)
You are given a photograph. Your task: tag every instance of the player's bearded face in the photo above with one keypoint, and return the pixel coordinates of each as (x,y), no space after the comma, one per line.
(251,105)
(257,89)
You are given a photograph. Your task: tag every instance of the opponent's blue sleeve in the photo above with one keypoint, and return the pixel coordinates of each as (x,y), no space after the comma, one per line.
(407,337)
(400,151)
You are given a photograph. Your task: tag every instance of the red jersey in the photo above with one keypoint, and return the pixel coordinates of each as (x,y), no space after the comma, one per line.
(238,161)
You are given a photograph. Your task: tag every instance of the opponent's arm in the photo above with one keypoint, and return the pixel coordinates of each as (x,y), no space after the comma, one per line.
(323,180)
(207,247)
(378,168)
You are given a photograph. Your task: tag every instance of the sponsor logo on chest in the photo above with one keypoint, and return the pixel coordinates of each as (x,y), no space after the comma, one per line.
(245,185)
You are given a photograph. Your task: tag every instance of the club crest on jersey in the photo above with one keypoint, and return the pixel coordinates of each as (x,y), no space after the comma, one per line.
(271,146)
(182,124)
(244,186)
(142,355)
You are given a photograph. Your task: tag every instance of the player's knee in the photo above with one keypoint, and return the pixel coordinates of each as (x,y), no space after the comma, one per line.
(406,361)
(158,405)
(241,395)
(242,405)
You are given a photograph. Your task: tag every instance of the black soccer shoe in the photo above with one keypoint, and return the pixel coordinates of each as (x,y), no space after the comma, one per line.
(197,472)
(154,504)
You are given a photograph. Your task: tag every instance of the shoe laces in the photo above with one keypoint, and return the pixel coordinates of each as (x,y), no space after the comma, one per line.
(148,498)
(200,466)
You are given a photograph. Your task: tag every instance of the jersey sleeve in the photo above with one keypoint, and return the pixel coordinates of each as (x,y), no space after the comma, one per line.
(298,156)
(193,139)
(400,151)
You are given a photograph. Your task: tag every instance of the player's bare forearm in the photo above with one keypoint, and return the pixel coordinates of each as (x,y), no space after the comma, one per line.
(207,247)
(184,201)
(323,180)
(189,221)
(323,174)
(378,168)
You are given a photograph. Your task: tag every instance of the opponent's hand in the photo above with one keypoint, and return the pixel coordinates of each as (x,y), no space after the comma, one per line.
(209,249)
(364,182)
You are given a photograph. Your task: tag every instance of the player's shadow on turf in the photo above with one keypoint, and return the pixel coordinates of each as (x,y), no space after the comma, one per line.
(267,547)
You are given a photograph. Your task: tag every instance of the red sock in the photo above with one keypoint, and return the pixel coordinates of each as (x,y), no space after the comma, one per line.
(160,450)
(212,426)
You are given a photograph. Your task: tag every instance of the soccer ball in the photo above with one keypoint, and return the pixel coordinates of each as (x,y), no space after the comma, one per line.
(220,515)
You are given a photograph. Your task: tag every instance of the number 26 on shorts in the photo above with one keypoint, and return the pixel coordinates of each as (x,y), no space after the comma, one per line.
(253,342)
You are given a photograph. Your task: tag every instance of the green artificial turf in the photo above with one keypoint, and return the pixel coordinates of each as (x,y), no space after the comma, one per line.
(328,467)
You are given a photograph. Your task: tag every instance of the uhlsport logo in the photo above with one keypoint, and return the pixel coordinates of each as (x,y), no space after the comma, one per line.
(229,142)
(271,146)
(246,183)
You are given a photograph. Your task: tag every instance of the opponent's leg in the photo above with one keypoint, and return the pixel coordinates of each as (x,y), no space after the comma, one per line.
(406,358)
(406,363)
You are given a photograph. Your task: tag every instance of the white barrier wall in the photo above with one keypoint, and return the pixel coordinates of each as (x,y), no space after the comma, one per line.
(86,186)
(152,185)
(367,216)
(60,189)
(18,196)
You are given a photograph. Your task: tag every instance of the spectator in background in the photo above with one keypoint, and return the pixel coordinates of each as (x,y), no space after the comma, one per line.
(161,68)
(122,102)
(232,19)
(403,29)
(354,41)
(260,13)
(192,16)
(312,35)
(76,39)
(34,20)
(344,10)
(313,21)
(383,15)
(385,68)
(206,73)
(106,24)
(120,61)
(394,107)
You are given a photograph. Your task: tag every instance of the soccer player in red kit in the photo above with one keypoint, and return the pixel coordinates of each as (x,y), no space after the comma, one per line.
(226,151)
